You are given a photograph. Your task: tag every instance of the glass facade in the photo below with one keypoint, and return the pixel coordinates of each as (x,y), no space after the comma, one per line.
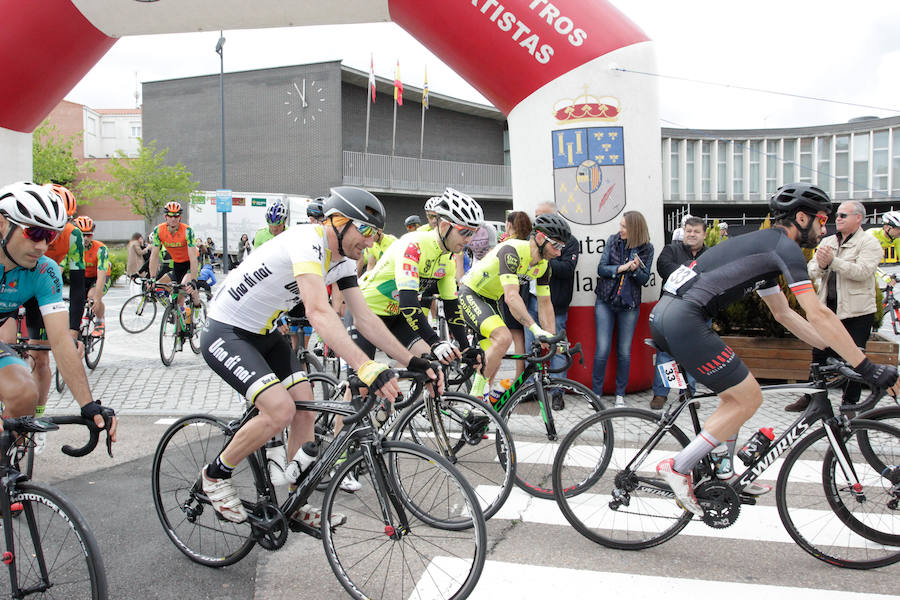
(772,166)
(755,173)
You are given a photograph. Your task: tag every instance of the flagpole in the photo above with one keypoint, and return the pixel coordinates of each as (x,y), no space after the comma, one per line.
(369,93)
(394,133)
(422,132)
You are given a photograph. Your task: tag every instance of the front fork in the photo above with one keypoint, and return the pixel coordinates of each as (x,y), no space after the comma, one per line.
(833,429)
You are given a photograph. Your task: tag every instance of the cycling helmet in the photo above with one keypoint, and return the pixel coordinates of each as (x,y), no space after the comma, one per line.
(173,207)
(553,226)
(891,218)
(85,224)
(27,203)
(66,196)
(799,197)
(723,226)
(356,204)
(412,220)
(431,203)
(314,209)
(459,208)
(276,214)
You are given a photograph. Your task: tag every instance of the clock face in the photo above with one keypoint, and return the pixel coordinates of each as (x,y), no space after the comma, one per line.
(305,101)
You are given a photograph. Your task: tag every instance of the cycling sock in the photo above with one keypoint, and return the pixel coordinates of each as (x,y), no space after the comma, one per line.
(694,452)
(218,469)
(478,384)
(39,410)
(732,444)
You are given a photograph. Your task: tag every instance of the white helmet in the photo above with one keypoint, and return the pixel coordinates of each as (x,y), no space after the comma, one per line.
(459,208)
(723,226)
(431,203)
(26,203)
(684,218)
(892,218)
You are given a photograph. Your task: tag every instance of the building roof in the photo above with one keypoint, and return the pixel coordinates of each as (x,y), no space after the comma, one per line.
(117,111)
(867,124)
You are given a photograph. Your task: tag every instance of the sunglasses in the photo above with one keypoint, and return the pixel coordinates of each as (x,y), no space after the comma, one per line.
(39,234)
(554,244)
(822,219)
(842,215)
(464,231)
(365,229)
(173,214)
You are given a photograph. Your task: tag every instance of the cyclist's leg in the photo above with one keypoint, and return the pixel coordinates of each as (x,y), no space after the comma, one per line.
(181,273)
(18,389)
(483,316)
(41,371)
(518,335)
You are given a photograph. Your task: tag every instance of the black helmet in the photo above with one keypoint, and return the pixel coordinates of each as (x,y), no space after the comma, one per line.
(356,204)
(553,226)
(794,197)
(314,209)
(412,220)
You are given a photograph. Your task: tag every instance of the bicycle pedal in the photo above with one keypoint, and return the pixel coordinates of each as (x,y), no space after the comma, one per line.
(747,498)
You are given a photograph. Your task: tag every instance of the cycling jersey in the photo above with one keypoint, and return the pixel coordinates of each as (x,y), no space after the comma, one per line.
(378,248)
(176,243)
(508,263)
(891,247)
(43,283)
(262,236)
(68,249)
(68,252)
(425,227)
(96,257)
(263,286)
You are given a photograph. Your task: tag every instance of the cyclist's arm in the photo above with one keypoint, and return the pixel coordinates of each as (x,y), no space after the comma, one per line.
(406,276)
(516,305)
(372,328)
(192,257)
(545,306)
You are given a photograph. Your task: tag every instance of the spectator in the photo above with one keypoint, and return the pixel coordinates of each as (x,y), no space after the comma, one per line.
(483,240)
(244,248)
(138,253)
(673,256)
(623,269)
(206,279)
(723,231)
(210,249)
(844,269)
(518,226)
(562,284)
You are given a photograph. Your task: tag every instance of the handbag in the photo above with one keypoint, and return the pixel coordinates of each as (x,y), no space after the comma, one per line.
(623,297)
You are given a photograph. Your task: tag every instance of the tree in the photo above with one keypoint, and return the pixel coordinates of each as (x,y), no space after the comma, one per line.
(52,155)
(145,183)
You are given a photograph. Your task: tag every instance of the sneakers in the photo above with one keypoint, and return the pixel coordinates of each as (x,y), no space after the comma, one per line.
(312,516)
(557,402)
(224,498)
(620,401)
(681,485)
(658,402)
(753,488)
(40,442)
(99,330)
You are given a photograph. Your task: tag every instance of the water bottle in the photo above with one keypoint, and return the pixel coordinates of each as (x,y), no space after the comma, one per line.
(275,456)
(305,456)
(722,462)
(498,391)
(756,445)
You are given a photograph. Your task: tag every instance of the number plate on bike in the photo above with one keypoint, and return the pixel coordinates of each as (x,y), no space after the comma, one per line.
(672,377)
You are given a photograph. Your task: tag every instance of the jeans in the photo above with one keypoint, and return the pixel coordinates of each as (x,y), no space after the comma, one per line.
(557,361)
(605,318)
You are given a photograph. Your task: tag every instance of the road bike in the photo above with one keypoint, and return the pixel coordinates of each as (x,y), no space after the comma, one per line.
(139,311)
(180,324)
(890,305)
(414,529)
(93,344)
(48,548)
(837,492)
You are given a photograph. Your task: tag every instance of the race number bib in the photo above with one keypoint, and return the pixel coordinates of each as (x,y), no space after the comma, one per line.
(677,279)
(672,376)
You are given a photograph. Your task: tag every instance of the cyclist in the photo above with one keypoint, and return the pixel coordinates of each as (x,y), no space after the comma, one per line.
(32,216)
(417,261)
(724,274)
(430,214)
(889,236)
(498,274)
(371,255)
(276,216)
(97,270)
(179,241)
(240,342)
(314,211)
(412,223)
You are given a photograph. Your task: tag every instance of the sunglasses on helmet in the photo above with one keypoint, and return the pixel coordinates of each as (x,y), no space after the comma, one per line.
(365,229)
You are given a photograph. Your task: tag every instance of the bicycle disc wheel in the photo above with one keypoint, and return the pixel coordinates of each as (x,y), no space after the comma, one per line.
(608,493)
(198,320)
(857,529)
(93,347)
(480,445)
(51,534)
(168,334)
(407,557)
(194,527)
(137,313)
(535,445)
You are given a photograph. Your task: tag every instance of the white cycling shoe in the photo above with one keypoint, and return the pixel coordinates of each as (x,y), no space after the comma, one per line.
(40,442)
(223,497)
(753,488)
(681,485)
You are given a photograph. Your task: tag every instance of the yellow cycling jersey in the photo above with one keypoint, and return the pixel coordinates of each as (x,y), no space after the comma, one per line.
(890,247)
(508,263)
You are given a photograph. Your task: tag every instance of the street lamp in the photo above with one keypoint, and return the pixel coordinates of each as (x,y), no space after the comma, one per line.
(220,50)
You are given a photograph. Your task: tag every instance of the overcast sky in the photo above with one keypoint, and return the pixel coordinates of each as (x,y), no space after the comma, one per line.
(846,51)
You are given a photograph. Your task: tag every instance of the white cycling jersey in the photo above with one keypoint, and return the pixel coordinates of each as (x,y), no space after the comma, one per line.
(263,286)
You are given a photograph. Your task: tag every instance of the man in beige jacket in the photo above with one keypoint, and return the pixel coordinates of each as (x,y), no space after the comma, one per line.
(844,272)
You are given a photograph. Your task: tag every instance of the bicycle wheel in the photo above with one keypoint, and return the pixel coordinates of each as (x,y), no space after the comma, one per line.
(198,320)
(607,492)
(407,556)
(93,346)
(137,313)
(480,445)
(168,334)
(858,529)
(51,537)
(309,361)
(194,527)
(60,382)
(535,445)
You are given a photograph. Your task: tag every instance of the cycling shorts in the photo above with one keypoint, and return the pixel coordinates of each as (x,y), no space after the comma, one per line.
(34,321)
(179,270)
(250,362)
(680,328)
(8,356)
(398,326)
(481,314)
(90,282)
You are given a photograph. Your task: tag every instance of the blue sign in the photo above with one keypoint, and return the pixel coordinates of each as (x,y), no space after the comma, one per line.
(223,201)
(589,173)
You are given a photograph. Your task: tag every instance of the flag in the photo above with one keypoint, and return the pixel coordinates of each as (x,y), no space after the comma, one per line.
(398,87)
(372,75)
(425,91)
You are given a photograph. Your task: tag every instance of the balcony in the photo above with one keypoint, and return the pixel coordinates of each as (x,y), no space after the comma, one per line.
(405,175)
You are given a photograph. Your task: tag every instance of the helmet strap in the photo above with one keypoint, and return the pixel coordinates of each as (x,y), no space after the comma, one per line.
(340,235)
(805,241)
(540,247)
(5,241)
(443,238)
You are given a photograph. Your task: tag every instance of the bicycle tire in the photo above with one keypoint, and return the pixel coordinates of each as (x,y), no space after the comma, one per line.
(591,466)
(535,447)
(823,516)
(137,313)
(420,560)
(50,526)
(184,449)
(60,382)
(198,320)
(481,445)
(168,334)
(309,361)
(93,347)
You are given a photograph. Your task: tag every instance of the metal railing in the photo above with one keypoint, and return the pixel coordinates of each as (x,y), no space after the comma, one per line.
(425,176)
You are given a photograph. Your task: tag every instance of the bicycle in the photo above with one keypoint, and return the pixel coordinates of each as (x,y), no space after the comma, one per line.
(414,530)
(536,426)
(48,547)
(139,311)
(890,305)
(308,358)
(93,344)
(830,493)
(176,327)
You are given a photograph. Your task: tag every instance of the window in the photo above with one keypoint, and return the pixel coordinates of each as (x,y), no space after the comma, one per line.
(753,180)
(737,169)
(722,170)
(135,131)
(823,168)
(705,169)
(771,165)
(689,170)
(92,125)
(108,129)
(861,165)
(841,166)
(674,167)
(806,162)
(789,165)
(896,165)
(880,161)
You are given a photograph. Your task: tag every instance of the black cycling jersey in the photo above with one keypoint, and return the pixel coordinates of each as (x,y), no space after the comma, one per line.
(732,269)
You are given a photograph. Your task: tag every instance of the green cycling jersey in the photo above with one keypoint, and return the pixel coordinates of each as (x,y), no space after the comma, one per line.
(508,263)
(890,246)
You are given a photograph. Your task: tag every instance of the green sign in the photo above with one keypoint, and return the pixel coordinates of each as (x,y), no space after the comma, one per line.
(258,202)
(198,200)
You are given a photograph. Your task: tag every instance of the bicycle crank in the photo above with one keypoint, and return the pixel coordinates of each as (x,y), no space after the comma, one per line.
(269,526)
(721,504)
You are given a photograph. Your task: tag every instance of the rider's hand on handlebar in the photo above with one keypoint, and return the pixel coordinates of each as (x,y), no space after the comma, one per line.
(381,378)
(94,410)
(421,365)
(879,376)
(445,352)
(539,333)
